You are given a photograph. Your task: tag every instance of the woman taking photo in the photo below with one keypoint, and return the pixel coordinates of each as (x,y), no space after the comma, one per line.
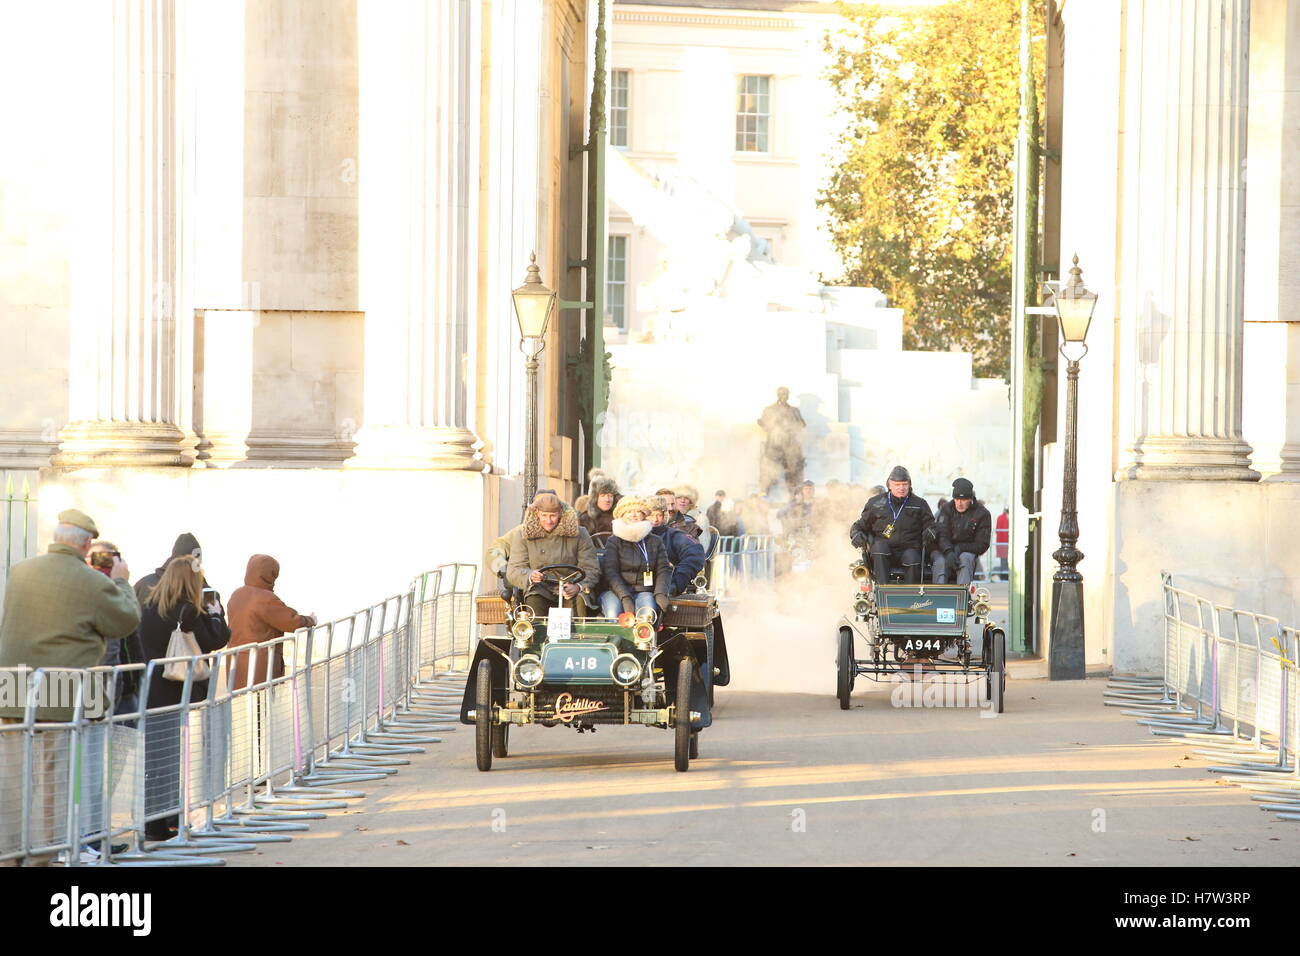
(177,601)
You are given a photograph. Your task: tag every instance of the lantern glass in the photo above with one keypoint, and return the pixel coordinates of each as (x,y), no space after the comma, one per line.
(1074,305)
(533,304)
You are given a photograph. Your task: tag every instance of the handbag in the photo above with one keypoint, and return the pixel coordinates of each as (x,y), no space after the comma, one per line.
(183,644)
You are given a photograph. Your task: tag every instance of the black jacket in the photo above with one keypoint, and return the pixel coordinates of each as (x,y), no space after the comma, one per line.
(210,630)
(965,532)
(622,565)
(914,518)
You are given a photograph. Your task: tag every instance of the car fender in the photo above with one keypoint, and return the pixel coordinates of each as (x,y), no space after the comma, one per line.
(496,650)
(720,660)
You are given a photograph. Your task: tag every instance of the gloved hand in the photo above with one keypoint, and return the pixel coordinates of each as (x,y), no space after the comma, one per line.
(662,601)
(629,605)
(950,556)
(498,565)
(859,541)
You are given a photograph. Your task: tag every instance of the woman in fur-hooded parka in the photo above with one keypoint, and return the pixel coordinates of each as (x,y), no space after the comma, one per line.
(598,520)
(633,552)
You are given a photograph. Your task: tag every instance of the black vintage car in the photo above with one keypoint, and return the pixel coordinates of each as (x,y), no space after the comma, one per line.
(918,629)
(588,672)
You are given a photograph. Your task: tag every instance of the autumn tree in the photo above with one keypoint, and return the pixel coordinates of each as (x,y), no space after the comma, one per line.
(921,196)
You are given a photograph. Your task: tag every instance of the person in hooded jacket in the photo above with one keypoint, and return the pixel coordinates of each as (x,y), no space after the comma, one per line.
(598,516)
(256,615)
(186,544)
(178,600)
(964,527)
(634,564)
(684,552)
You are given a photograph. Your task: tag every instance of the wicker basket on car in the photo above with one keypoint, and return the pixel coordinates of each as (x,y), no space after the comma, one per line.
(491,609)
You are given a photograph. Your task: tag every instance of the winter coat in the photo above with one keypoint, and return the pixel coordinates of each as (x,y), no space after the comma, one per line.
(914,518)
(968,532)
(185,543)
(631,552)
(533,548)
(58,612)
(257,614)
(210,632)
(684,554)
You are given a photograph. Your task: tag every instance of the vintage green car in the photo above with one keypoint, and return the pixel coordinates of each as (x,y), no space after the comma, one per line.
(588,672)
(915,630)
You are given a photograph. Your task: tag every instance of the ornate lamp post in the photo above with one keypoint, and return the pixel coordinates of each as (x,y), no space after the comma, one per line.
(534,304)
(1074,305)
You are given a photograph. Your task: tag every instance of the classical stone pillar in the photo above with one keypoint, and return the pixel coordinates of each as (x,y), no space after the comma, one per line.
(1272,383)
(1182,279)
(418,201)
(123,368)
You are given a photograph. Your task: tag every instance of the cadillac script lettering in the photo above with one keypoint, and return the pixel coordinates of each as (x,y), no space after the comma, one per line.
(567,706)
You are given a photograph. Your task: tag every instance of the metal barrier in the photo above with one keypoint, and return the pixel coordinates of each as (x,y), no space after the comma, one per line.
(741,560)
(1229,685)
(248,756)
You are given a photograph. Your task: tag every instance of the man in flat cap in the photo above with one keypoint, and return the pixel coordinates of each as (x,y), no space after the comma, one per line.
(964,529)
(895,525)
(58,612)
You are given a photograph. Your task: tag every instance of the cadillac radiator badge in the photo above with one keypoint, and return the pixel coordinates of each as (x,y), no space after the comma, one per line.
(567,707)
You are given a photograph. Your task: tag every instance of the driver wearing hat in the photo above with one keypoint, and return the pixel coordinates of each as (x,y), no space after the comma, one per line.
(550,535)
(894,526)
(964,527)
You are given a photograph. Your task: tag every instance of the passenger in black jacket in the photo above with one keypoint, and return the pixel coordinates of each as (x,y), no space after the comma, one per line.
(965,527)
(634,564)
(896,525)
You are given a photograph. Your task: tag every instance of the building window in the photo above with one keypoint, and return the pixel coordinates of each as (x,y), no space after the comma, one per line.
(618,108)
(616,282)
(753,114)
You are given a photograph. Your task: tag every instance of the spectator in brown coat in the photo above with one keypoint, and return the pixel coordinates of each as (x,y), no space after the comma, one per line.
(257,614)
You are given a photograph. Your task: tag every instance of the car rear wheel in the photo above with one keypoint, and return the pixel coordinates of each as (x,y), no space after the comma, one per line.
(845,668)
(682,717)
(483,716)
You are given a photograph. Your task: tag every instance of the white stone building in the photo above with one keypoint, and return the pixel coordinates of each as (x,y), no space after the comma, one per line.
(255,272)
(721,125)
(1180,193)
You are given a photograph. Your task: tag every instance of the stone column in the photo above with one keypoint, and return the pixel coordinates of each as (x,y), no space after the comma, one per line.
(1272,387)
(123,400)
(417,182)
(1182,279)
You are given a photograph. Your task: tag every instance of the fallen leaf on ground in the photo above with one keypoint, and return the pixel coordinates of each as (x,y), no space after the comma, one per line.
(1193,839)
(1246,848)
(402,843)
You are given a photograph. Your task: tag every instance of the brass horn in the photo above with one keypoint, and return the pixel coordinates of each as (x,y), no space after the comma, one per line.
(860,573)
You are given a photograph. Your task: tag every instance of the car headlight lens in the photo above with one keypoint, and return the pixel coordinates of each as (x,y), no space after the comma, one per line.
(528,671)
(981,609)
(861,606)
(522,632)
(646,615)
(523,613)
(643,634)
(625,669)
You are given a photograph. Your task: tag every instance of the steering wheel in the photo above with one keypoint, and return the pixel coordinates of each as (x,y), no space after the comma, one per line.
(575,572)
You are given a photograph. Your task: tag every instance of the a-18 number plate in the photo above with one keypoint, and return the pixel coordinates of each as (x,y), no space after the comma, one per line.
(567,663)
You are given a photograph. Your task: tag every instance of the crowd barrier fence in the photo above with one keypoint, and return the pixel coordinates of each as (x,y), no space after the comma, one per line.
(1229,687)
(235,762)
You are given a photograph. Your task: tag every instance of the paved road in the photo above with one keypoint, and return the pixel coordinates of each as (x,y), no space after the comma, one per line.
(791,779)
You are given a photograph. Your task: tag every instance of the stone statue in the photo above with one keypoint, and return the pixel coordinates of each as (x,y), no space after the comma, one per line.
(782,454)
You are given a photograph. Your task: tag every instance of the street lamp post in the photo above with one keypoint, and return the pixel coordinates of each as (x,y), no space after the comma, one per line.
(1074,305)
(534,304)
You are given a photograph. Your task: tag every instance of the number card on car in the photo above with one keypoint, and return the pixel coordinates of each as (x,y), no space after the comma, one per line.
(559,624)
